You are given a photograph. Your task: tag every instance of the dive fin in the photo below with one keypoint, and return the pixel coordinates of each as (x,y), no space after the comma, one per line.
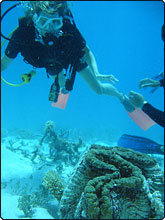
(137,115)
(141,119)
(62,101)
(140,144)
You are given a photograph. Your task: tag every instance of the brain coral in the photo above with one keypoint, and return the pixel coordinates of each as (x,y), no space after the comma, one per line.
(113,183)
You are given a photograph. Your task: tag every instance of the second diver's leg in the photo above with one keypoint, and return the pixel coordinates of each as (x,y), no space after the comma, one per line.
(97,86)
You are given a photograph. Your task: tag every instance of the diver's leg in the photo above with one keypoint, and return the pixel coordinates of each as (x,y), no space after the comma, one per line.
(61,78)
(97,86)
(61,81)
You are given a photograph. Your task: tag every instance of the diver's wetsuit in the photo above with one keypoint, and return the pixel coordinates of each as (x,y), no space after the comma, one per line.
(162,83)
(155,114)
(152,112)
(53,53)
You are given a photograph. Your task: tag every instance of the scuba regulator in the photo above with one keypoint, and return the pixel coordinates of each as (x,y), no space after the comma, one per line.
(26,77)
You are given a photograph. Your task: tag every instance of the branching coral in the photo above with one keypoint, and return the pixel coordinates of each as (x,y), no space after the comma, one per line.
(54,184)
(24,204)
(48,131)
(111,183)
(59,147)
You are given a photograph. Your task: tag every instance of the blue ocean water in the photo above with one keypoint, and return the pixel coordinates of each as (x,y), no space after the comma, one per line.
(125,37)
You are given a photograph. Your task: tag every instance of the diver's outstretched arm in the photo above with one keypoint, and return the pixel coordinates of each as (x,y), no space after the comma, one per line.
(91,61)
(148,82)
(5,62)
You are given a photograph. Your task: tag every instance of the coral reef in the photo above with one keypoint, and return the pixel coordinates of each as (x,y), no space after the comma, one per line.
(24,204)
(54,184)
(112,183)
(53,146)
(29,201)
(48,131)
(60,149)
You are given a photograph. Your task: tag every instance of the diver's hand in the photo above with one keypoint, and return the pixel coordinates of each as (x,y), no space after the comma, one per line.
(107,78)
(148,83)
(136,99)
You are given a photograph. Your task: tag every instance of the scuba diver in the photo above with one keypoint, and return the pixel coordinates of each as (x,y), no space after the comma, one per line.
(47,37)
(139,101)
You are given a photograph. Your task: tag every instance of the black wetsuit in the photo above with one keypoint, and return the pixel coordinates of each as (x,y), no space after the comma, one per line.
(155,114)
(54,53)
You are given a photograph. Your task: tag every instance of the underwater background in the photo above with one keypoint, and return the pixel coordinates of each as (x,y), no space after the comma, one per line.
(46,153)
(125,38)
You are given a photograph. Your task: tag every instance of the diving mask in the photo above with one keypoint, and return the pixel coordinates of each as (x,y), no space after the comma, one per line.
(47,24)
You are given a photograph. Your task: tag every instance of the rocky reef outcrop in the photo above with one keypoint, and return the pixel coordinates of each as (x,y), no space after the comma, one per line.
(113,183)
